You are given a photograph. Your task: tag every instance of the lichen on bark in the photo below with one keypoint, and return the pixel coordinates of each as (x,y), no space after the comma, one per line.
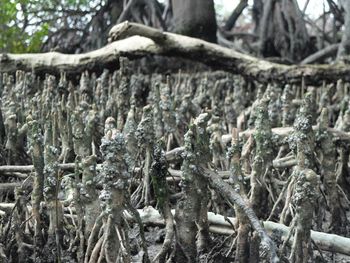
(191,210)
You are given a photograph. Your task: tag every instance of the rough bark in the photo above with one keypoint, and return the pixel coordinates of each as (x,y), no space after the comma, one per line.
(154,42)
(242,226)
(304,199)
(327,156)
(38,186)
(159,171)
(262,159)
(283,31)
(191,211)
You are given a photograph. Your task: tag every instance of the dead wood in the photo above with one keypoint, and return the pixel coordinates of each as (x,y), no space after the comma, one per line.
(326,52)
(220,224)
(216,182)
(142,41)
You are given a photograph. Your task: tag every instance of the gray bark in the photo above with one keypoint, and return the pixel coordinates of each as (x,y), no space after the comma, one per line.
(154,42)
(282,31)
(344,48)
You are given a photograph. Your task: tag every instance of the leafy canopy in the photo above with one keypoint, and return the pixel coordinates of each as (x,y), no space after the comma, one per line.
(26,24)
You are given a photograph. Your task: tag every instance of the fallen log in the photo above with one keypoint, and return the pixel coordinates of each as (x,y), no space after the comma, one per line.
(285,131)
(142,40)
(220,225)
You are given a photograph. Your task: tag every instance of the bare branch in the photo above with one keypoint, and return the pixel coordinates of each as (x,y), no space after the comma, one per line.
(321,54)
(154,42)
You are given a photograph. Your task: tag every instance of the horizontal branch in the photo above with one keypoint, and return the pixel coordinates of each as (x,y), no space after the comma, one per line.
(328,51)
(176,153)
(338,135)
(284,162)
(30,168)
(220,224)
(142,41)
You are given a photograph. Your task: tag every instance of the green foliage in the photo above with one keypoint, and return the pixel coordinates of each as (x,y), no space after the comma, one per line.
(13,21)
(26,24)
(37,37)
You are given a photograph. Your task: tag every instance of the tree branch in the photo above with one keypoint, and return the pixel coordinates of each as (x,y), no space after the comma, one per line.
(220,224)
(127,10)
(321,54)
(216,182)
(151,41)
(231,21)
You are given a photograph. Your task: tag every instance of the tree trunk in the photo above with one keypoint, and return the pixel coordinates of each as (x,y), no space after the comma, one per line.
(195,18)
(344,48)
(282,31)
(257,11)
